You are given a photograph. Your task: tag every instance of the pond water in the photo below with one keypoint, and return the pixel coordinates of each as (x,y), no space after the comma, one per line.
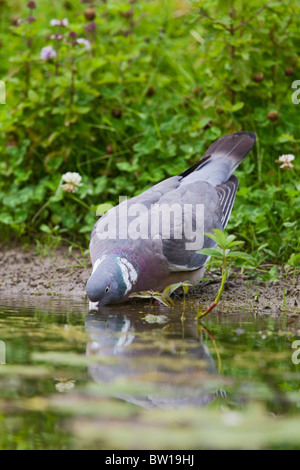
(137,377)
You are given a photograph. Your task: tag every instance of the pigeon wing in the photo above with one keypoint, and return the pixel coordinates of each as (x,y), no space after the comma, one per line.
(218,203)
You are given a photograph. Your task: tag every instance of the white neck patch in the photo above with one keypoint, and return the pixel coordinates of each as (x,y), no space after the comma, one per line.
(129,274)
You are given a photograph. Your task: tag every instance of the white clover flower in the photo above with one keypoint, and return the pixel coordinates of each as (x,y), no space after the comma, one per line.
(48,53)
(72,180)
(69,188)
(64,386)
(286,160)
(86,43)
(64,22)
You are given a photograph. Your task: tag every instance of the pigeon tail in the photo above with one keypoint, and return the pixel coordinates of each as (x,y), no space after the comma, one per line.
(221,159)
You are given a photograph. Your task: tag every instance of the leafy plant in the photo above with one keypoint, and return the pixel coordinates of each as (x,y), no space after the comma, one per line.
(165,296)
(224,252)
(143,103)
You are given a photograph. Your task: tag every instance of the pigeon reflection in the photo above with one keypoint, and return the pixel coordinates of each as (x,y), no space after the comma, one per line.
(164,368)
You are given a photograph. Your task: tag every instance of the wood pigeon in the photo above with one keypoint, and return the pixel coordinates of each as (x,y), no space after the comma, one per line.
(138,245)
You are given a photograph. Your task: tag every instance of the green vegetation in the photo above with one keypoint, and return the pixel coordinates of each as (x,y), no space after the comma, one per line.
(225,251)
(162,80)
(164,297)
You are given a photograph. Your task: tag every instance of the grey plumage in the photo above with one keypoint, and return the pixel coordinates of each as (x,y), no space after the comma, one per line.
(129,264)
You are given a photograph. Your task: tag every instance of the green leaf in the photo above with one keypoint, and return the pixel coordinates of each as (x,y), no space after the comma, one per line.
(219,237)
(160,319)
(240,254)
(171,288)
(44,228)
(6,218)
(237,107)
(216,252)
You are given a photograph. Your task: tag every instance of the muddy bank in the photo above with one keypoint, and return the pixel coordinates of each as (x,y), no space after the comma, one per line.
(26,272)
(272,298)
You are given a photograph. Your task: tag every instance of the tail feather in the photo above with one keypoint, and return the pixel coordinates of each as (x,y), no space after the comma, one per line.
(221,159)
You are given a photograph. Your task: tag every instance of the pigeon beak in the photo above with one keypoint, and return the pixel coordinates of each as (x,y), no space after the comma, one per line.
(93,306)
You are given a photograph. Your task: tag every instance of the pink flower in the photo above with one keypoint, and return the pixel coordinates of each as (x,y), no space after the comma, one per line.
(48,53)
(85,42)
(63,23)
(56,36)
(91,27)
(31,5)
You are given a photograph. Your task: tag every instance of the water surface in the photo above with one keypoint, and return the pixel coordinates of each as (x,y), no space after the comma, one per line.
(137,377)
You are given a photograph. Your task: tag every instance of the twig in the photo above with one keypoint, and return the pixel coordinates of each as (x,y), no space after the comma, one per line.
(203,13)
(251,17)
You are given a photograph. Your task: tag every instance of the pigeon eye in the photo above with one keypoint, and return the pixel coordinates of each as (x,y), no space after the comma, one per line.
(107,289)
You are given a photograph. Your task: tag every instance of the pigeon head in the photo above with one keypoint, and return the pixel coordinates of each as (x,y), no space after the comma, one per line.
(112,280)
